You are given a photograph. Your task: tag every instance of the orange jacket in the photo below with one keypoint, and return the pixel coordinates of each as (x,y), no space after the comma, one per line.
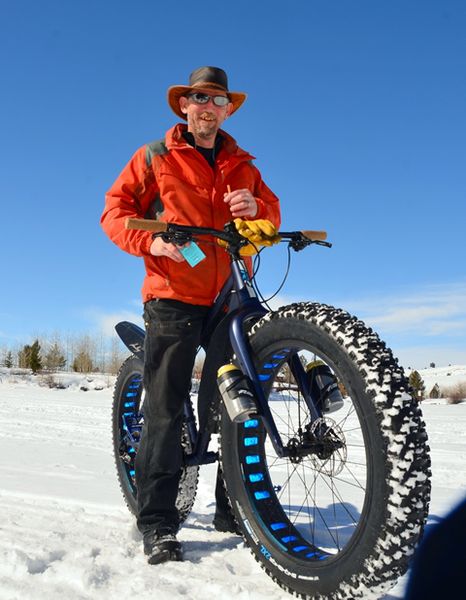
(179,186)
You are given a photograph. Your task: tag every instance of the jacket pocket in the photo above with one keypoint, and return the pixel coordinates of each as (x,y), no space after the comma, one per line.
(169,181)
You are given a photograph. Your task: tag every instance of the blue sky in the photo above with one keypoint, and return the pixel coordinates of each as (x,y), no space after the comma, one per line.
(356,114)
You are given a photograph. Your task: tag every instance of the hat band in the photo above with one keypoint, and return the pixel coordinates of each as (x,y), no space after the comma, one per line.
(208,84)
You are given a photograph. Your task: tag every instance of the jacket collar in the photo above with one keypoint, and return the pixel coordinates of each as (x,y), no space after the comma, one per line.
(174,140)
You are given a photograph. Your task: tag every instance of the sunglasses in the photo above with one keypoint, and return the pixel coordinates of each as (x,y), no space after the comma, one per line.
(204,99)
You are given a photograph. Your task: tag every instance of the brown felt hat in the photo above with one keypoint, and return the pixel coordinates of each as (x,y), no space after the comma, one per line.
(205,78)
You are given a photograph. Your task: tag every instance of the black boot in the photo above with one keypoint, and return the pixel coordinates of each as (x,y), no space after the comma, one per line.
(162,546)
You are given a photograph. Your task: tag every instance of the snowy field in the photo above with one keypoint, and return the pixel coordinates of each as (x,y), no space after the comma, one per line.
(66,534)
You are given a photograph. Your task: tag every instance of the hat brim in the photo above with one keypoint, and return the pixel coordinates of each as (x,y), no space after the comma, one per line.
(176,91)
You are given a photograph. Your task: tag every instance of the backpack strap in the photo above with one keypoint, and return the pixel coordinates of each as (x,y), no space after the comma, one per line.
(157,148)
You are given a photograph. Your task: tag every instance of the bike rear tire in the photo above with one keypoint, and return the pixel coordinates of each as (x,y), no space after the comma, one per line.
(127,419)
(330,528)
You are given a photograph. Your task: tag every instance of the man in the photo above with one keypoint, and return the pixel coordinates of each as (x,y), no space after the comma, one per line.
(196,176)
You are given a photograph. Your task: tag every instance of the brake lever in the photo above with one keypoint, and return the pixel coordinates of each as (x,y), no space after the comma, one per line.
(321,243)
(179,238)
(298,243)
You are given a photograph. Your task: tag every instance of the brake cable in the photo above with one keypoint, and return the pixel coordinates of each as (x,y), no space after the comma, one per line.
(280,287)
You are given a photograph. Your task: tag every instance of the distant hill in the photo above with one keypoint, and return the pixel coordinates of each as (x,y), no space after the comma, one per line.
(445,377)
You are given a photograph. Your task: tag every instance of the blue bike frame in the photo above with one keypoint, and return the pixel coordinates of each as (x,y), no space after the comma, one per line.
(244,305)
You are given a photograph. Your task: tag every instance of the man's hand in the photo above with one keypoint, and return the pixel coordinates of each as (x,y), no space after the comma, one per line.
(161,248)
(242,203)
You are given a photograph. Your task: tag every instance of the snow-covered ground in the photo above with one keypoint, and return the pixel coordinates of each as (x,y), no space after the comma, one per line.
(66,534)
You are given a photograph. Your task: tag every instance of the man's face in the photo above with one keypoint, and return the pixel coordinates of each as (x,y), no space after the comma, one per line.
(204,120)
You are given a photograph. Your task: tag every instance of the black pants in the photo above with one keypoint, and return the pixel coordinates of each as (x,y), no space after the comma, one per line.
(173,333)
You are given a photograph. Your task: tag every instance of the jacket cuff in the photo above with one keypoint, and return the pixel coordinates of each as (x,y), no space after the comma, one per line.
(146,244)
(260,209)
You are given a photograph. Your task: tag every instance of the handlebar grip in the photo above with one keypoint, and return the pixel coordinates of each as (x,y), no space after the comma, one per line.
(145,225)
(315,235)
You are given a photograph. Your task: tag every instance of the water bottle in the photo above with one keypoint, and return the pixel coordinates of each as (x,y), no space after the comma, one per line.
(236,393)
(324,387)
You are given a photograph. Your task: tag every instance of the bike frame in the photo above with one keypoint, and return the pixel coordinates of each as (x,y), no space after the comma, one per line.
(243,306)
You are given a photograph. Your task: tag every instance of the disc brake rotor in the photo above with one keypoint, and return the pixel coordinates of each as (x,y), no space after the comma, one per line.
(333,459)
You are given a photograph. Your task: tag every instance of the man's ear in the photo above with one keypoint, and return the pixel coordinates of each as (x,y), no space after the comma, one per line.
(183,104)
(229,109)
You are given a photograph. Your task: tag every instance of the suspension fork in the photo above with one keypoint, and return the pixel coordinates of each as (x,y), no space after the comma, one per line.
(243,352)
(302,380)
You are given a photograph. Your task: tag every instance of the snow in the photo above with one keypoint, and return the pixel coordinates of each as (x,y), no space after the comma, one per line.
(64,529)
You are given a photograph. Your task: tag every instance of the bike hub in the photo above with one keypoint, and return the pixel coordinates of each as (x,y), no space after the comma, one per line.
(324,442)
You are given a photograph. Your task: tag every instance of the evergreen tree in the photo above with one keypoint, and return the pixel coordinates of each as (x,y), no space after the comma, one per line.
(35,359)
(8,360)
(54,359)
(435,391)
(417,385)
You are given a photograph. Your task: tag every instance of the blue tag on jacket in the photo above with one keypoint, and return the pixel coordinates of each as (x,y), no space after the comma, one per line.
(192,254)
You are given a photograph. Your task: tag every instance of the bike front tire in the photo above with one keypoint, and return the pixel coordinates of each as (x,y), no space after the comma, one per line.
(340,525)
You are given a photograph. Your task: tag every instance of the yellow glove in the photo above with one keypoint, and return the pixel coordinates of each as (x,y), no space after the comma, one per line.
(248,250)
(261,231)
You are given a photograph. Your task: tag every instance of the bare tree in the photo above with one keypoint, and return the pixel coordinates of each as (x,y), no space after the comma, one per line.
(24,357)
(117,355)
(83,362)
(84,354)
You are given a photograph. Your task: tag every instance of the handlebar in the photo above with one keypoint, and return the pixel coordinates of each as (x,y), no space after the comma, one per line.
(297,239)
(146,225)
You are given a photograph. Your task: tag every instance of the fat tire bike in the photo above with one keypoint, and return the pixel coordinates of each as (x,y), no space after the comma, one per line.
(331,504)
